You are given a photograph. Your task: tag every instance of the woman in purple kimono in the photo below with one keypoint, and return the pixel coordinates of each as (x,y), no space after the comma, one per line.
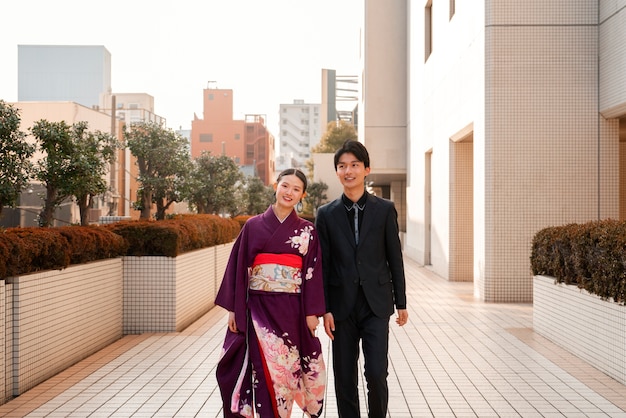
(273,291)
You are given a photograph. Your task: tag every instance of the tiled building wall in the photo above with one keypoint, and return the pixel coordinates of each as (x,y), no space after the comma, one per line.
(446,103)
(525,77)
(612,32)
(61,317)
(588,327)
(549,158)
(461,212)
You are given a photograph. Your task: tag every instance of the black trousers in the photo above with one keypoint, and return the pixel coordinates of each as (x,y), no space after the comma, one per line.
(373,333)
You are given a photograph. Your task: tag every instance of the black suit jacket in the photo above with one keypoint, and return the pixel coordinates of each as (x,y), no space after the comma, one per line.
(375,264)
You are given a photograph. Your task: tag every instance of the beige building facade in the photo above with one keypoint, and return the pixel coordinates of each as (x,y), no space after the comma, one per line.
(487,121)
(31,200)
(513,125)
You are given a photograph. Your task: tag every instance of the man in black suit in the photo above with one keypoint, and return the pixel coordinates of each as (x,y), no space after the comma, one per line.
(363,280)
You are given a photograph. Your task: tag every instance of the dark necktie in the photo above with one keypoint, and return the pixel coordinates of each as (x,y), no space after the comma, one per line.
(356,208)
(356,223)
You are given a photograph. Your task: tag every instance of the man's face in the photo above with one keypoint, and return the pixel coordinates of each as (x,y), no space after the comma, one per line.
(351,172)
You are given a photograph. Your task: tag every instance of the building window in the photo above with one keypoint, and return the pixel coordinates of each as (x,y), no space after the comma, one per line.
(237,136)
(206,137)
(452,8)
(211,96)
(284,121)
(284,133)
(250,151)
(237,160)
(428,29)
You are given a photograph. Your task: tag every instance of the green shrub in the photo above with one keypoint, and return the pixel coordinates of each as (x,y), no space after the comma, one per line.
(27,250)
(177,235)
(591,256)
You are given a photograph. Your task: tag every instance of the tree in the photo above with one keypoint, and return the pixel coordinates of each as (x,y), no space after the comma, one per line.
(15,154)
(257,196)
(74,165)
(215,184)
(164,165)
(91,158)
(54,139)
(337,132)
(316,195)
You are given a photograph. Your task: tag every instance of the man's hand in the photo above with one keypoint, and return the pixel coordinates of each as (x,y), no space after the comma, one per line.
(403,317)
(329,325)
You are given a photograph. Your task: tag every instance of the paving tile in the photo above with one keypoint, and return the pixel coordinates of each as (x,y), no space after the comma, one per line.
(457,357)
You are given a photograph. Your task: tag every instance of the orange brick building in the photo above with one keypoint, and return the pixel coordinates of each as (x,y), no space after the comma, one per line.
(247,141)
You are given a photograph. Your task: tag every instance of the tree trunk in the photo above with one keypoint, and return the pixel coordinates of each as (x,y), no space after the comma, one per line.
(146,204)
(47,213)
(83,205)
(161,208)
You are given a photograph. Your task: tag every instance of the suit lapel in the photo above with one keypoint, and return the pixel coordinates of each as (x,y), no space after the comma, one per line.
(339,213)
(368,216)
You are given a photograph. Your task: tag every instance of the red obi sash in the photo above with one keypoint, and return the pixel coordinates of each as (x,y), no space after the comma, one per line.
(290,260)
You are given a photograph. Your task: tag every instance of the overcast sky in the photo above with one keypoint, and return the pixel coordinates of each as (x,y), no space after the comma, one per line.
(267,51)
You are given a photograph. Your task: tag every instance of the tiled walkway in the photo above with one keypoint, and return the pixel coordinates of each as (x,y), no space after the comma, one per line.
(457,357)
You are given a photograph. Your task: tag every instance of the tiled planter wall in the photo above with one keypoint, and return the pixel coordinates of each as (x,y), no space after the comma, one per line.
(583,324)
(4,396)
(164,294)
(62,316)
(53,319)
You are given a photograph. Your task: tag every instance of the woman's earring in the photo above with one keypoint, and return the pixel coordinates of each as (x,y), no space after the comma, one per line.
(299,206)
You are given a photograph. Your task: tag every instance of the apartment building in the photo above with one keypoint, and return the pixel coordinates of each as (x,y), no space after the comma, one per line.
(300,130)
(247,140)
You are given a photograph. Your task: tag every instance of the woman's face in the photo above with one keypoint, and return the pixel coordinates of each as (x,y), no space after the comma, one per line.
(289,191)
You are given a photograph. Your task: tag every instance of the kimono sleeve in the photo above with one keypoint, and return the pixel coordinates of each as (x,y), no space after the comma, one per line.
(233,289)
(313,285)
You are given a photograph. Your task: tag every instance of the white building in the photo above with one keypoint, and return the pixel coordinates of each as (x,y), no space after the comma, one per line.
(300,130)
(488,121)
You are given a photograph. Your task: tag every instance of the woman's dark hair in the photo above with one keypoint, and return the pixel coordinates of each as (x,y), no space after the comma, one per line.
(293,171)
(355,147)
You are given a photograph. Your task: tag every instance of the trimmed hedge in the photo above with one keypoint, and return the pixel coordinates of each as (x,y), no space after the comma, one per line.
(174,236)
(591,256)
(27,250)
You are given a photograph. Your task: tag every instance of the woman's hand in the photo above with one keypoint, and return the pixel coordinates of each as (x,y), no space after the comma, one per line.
(312,322)
(329,325)
(232,325)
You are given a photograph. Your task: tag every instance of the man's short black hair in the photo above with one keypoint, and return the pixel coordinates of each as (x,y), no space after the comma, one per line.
(354,147)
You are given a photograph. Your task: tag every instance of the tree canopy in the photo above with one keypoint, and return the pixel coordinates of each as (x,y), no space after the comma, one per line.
(74,164)
(216,184)
(337,132)
(164,165)
(15,154)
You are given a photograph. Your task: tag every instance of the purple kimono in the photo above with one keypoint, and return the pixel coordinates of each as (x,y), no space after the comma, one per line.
(272,282)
